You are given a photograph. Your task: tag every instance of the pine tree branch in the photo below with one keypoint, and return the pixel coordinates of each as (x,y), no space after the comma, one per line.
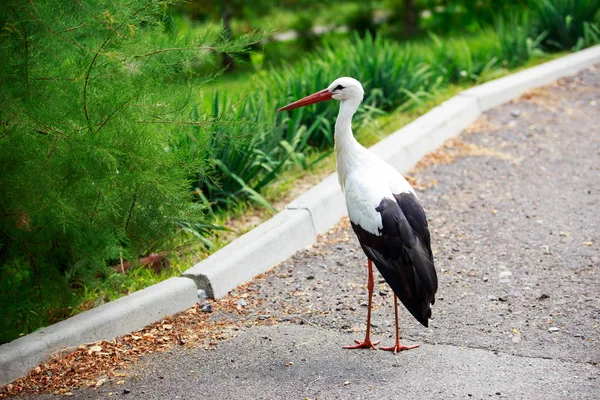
(5,126)
(185,103)
(195,123)
(212,120)
(95,209)
(87,78)
(130,212)
(159,51)
(74,28)
(235,47)
(98,19)
(51,78)
(51,152)
(114,112)
(46,27)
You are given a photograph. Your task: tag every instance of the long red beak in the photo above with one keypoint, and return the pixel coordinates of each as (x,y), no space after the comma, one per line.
(318,97)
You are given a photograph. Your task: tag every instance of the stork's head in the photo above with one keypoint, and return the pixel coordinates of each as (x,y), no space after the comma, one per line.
(343,89)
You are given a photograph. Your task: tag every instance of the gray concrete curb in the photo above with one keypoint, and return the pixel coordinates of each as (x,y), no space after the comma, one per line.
(296,227)
(107,321)
(502,90)
(405,147)
(254,253)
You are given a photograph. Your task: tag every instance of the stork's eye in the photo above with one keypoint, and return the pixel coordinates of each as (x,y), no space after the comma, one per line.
(338,87)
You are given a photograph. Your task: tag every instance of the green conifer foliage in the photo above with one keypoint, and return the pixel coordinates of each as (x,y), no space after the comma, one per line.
(98,144)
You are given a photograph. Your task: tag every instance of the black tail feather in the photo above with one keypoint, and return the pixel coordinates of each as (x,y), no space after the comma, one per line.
(407,285)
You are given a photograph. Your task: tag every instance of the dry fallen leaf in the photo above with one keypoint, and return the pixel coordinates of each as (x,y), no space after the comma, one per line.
(94,349)
(100,382)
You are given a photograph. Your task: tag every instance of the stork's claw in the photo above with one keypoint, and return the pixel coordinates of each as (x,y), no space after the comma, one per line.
(397,348)
(365,344)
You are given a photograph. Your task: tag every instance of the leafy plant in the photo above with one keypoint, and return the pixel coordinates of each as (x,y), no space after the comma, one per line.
(564,21)
(391,74)
(460,59)
(516,45)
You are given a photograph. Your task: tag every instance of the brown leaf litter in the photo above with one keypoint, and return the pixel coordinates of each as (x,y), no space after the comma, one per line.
(94,364)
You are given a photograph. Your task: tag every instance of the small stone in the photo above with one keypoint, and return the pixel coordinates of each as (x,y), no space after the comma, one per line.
(504,274)
(485,278)
(503,298)
(553,329)
(264,316)
(126,391)
(207,308)
(242,303)
(383,292)
(515,113)
(544,296)
(498,393)
(310,277)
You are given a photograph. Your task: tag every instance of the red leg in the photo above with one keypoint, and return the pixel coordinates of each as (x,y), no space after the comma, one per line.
(397,347)
(367,344)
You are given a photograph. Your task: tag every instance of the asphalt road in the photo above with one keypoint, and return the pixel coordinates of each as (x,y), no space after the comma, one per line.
(515,226)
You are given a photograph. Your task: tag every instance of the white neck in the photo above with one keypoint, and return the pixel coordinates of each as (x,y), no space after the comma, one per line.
(345,144)
(343,125)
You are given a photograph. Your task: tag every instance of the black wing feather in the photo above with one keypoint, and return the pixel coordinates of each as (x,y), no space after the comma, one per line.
(402,253)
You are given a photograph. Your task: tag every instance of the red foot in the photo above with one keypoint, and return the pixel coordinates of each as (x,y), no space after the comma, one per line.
(397,348)
(366,344)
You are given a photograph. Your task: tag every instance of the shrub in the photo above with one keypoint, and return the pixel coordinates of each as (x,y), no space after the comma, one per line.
(95,97)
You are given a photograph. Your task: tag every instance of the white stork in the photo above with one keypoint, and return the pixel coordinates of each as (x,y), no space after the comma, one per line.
(384,212)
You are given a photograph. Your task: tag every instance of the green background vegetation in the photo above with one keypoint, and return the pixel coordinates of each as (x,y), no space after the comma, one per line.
(140,128)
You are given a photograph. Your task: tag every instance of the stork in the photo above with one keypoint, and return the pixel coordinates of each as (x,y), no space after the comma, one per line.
(385,214)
